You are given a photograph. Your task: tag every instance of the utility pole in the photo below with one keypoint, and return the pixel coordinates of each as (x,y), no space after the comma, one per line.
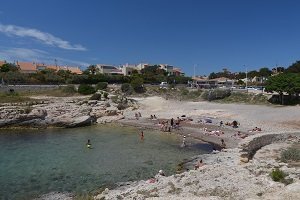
(246,79)
(194,70)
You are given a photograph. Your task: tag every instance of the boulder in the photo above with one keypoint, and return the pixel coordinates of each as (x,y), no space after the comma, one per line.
(69,122)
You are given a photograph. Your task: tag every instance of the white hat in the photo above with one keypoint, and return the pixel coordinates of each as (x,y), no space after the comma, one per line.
(184,136)
(161,171)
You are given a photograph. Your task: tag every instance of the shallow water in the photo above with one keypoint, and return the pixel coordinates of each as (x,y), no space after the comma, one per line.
(35,162)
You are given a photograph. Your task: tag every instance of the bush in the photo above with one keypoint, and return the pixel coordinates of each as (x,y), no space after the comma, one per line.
(121,106)
(184,92)
(291,154)
(211,95)
(28,110)
(101,86)
(137,85)
(126,88)
(105,94)
(86,89)
(70,89)
(277,175)
(96,96)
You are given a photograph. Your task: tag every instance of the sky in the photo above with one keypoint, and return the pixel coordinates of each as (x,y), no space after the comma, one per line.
(196,35)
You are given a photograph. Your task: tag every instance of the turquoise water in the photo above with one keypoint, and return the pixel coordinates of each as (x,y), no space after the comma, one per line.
(35,162)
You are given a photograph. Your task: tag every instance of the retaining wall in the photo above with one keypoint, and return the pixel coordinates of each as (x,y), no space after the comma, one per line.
(253,143)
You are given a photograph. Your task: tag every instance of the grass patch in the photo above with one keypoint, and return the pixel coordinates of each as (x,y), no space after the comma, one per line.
(241,97)
(13,98)
(291,154)
(84,197)
(279,176)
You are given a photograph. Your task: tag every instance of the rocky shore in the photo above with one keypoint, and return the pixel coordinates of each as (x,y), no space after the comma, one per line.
(67,112)
(225,175)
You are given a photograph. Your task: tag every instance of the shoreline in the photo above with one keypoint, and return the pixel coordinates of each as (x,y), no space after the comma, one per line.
(189,132)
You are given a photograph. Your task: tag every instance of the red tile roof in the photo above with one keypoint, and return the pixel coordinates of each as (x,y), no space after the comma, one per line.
(2,62)
(27,66)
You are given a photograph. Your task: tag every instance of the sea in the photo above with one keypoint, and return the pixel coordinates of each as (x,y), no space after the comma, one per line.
(36,162)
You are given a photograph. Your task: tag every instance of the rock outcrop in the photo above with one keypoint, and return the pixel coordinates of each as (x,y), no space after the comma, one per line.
(223,176)
(60,112)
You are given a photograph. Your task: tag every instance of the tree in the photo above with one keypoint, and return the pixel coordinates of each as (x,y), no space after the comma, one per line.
(92,69)
(86,89)
(137,84)
(240,82)
(285,82)
(265,72)
(294,68)
(8,67)
(252,74)
(212,75)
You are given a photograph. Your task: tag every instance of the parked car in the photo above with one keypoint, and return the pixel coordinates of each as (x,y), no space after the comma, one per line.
(163,85)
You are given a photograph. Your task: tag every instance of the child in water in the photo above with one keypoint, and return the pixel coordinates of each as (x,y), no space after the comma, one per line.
(88,144)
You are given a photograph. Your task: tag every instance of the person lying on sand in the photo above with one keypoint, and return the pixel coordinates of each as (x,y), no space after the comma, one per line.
(199,164)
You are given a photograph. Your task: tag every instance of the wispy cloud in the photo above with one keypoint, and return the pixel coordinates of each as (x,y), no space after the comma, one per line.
(36,55)
(43,37)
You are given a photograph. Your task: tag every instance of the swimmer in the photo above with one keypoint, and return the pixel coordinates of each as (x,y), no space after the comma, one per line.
(88,144)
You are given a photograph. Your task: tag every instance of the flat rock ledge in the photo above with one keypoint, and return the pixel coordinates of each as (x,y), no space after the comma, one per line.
(59,112)
(225,175)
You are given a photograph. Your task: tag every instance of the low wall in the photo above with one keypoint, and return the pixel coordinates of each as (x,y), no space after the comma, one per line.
(16,88)
(250,145)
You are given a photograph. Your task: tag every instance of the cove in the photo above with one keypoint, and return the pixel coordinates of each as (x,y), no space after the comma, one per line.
(36,162)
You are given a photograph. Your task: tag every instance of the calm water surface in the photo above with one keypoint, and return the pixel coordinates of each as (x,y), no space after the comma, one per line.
(35,162)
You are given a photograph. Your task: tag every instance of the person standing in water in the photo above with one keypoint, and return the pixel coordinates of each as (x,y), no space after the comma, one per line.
(142,135)
(88,144)
(183,142)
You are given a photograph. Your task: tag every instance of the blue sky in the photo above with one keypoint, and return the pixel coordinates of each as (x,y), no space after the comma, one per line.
(210,34)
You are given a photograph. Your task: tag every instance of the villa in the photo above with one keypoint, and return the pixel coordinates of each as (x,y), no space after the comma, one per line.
(33,67)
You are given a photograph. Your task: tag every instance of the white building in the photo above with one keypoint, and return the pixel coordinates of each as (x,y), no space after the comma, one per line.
(108,69)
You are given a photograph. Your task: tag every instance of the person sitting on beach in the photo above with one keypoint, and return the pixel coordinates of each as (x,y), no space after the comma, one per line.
(154,117)
(199,164)
(88,144)
(221,123)
(136,116)
(151,116)
(140,115)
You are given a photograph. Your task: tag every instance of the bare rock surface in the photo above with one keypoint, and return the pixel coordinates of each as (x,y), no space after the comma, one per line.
(223,176)
(64,112)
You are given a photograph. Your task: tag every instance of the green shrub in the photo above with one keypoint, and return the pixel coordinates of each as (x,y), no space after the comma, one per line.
(184,92)
(211,95)
(126,88)
(96,96)
(121,106)
(137,85)
(195,94)
(70,89)
(291,154)
(277,175)
(86,89)
(105,94)
(27,110)
(101,86)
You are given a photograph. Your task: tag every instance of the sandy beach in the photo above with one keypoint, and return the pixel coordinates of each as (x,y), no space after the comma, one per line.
(267,118)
